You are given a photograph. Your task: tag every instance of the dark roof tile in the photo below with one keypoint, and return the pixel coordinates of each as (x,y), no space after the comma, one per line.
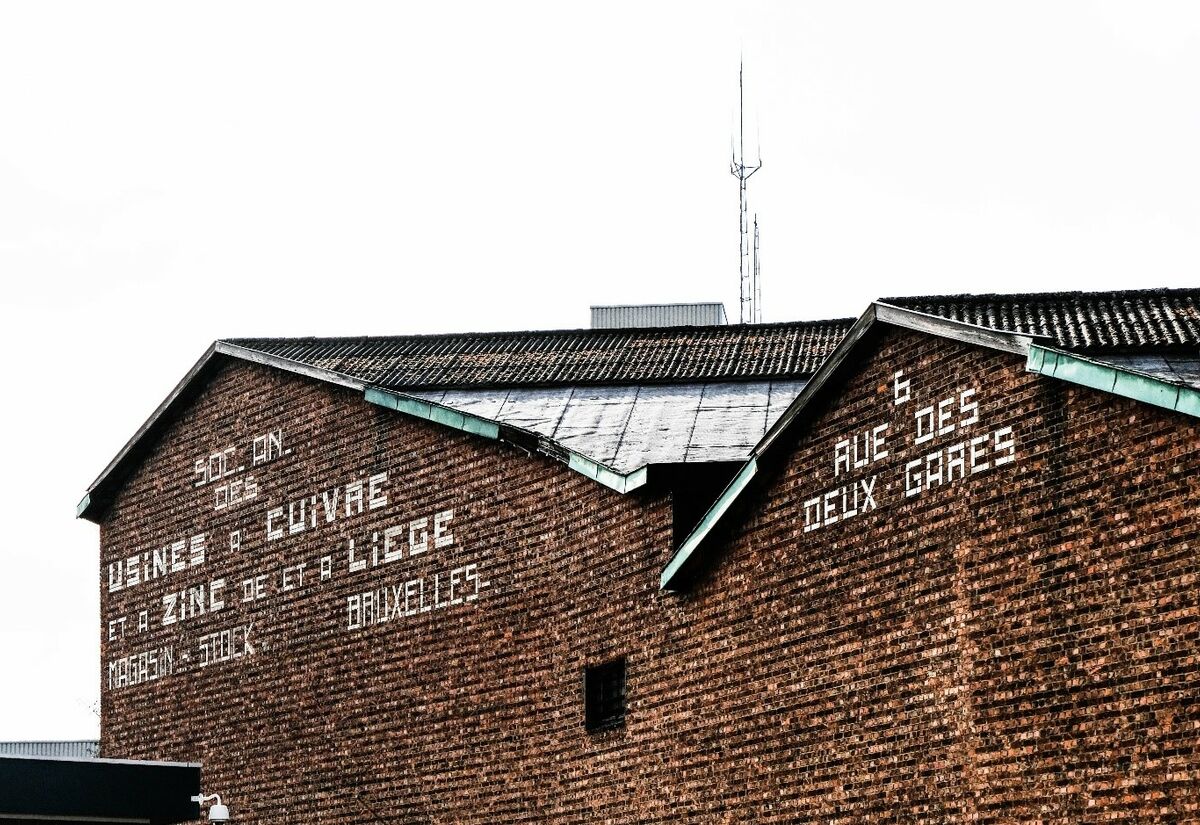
(602,356)
(1151,319)
(1091,321)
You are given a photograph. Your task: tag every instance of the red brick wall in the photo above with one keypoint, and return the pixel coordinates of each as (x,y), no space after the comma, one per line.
(1015,645)
(1019,645)
(465,713)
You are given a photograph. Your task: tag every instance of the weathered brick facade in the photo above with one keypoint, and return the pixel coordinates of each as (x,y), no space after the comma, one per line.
(1010,643)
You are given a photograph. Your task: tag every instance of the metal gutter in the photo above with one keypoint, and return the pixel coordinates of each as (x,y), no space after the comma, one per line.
(621,482)
(707,523)
(429,411)
(1100,375)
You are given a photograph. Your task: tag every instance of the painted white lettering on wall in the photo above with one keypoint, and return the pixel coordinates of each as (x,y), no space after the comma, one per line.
(222,469)
(225,645)
(459,585)
(416,545)
(197,600)
(860,449)
(266,448)
(840,504)
(398,541)
(151,565)
(333,504)
(957,461)
(235,492)
(952,451)
(145,666)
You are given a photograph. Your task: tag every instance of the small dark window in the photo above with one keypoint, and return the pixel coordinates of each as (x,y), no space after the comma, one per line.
(604,695)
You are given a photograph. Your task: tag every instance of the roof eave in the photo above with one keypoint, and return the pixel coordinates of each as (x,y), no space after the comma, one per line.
(1113,378)
(99,494)
(96,499)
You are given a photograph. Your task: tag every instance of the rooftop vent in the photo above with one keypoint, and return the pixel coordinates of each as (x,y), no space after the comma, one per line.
(658,315)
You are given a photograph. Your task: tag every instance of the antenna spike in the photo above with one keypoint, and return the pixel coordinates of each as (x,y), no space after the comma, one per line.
(757,279)
(749,295)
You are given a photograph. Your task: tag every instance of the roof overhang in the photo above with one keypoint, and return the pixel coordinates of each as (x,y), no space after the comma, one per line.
(43,789)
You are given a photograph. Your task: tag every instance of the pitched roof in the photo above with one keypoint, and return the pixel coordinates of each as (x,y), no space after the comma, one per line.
(395,370)
(1132,319)
(1156,319)
(1169,388)
(569,357)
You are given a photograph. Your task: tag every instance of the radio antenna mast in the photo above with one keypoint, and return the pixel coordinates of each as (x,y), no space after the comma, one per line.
(757,279)
(748,310)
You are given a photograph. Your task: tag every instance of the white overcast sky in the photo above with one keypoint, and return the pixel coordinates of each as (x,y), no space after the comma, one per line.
(173,173)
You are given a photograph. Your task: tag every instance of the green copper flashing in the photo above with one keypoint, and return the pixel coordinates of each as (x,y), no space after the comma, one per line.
(1099,375)
(701,530)
(433,412)
(428,411)
(83,505)
(608,477)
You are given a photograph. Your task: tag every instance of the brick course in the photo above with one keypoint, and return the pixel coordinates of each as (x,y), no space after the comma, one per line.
(1018,645)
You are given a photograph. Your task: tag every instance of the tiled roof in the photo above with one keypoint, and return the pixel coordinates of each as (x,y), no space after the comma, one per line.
(569,357)
(716,405)
(1157,319)
(1134,319)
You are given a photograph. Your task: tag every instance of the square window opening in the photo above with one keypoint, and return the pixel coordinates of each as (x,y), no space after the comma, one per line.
(604,695)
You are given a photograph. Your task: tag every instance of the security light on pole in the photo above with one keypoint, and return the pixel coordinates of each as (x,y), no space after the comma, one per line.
(218,812)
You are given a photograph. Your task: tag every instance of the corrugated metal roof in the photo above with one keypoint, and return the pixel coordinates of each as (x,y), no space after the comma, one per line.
(1091,321)
(73,749)
(658,315)
(629,427)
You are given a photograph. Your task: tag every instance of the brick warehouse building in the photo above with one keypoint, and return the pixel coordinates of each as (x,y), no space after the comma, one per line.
(936,564)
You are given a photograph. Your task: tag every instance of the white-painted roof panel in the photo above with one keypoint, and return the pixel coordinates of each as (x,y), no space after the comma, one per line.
(628,427)
(1173,368)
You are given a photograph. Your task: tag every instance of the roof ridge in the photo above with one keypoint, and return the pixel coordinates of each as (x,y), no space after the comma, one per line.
(1053,294)
(512,333)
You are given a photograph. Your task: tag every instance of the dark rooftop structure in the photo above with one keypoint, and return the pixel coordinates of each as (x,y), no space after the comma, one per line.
(45,789)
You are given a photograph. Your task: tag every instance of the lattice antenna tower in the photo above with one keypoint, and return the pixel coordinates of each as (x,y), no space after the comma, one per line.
(748,310)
